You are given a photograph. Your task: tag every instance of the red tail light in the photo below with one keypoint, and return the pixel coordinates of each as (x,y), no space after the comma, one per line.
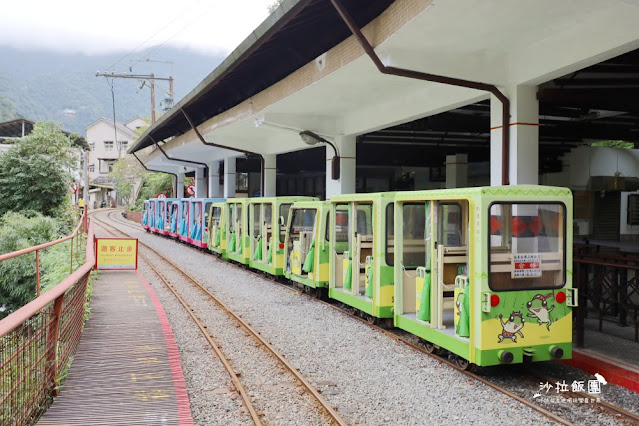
(560,297)
(494,300)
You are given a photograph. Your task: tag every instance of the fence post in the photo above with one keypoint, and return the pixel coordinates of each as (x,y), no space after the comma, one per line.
(37,273)
(623,297)
(52,343)
(71,258)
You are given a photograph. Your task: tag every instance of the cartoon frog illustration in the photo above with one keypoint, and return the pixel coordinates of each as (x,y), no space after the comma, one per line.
(511,328)
(540,310)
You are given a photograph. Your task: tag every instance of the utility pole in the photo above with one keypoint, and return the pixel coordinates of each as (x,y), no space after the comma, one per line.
(144,77)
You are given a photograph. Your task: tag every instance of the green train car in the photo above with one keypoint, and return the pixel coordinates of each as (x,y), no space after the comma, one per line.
(306,248)
(359,274)
(485,273)
(217,218)
(267,229)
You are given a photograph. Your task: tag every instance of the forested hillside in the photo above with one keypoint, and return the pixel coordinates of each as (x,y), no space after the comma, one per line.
(64,88)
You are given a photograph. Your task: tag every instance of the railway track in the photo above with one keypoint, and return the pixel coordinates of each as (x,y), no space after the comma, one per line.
(310,389)
(617,413)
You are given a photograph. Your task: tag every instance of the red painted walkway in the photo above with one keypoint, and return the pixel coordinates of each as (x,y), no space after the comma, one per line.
(127,367)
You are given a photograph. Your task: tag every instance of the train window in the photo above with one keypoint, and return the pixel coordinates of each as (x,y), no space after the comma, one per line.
(257,213)
(365,219)
(390,234)
(342,226)
(268,214)
(415,239)
(328,226)
(450,225)
(207,207)
(284,209)
(527,246)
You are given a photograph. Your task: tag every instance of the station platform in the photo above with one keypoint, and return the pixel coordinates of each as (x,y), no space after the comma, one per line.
(127,366)
(611,352)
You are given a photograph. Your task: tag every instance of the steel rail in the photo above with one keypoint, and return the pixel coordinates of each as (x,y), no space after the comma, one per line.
(311,389)
(214,345)
(416,347)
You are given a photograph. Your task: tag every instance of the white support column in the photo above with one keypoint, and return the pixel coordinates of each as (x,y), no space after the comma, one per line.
(179,192)
(200,183)
(457,171)
(214,180)
(524,137)
(270,175)
(346,183)
(229,177)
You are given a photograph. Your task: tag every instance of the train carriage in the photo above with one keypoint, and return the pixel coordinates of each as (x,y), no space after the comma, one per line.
(359,274)
(145,214)
(268,218)
(237,236)
(163,216)
(198,231)
(216,223)
(306,246)
(485,273)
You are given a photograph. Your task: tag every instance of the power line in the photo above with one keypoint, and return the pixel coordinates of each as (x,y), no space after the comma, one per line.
(184,10)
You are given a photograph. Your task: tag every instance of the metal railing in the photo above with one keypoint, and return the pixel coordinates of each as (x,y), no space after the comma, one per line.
(608,286)
(38,340)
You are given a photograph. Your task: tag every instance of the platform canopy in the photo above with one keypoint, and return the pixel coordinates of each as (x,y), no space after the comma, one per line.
(301,69)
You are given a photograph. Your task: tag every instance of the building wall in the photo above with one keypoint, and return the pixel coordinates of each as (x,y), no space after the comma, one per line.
(97,134)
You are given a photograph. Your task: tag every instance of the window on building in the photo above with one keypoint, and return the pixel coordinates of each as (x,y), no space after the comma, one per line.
(633,209)
(91,168)
(108,145)
(123,145)
(110,167)
(92,146)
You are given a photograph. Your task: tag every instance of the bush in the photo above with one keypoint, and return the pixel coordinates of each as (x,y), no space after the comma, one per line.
(18,275)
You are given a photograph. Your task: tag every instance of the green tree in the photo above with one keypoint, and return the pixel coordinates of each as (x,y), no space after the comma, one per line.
(18,275)
(35,173)
(614,144)
(128,176)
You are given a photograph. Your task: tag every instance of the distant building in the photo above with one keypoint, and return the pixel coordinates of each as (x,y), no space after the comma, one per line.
(108,143)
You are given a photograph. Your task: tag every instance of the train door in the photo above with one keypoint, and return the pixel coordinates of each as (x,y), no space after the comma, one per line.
(237,227)
(183,226)
(159,219)
(341,247)
(152,204)
(268,243)
(414,260)
(145,213)
(256,232)
(283,220)
(302,241)
(362,255)
(450,263)
(206,210)
(173,218)
(215,225)
(196,222)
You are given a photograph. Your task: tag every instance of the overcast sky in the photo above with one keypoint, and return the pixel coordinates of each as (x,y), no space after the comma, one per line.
(94,27)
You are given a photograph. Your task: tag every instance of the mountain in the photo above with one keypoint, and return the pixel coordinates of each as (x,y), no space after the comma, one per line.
(40,85)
